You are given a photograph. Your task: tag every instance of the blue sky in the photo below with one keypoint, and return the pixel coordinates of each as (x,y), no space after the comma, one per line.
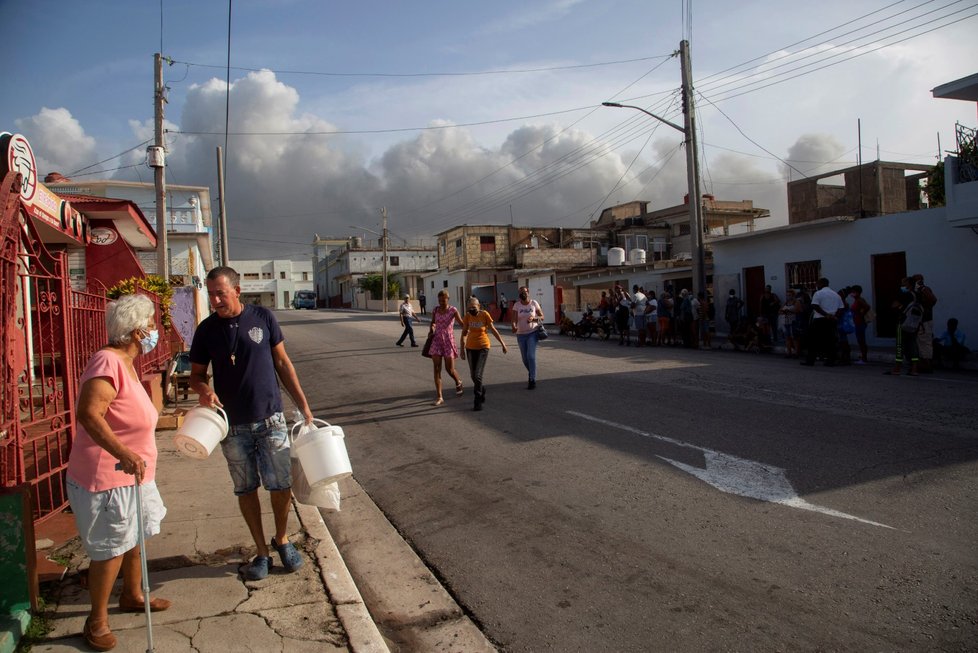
(85,74)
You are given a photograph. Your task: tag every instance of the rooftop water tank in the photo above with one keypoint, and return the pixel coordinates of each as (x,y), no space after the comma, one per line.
(616,256)
(636,257)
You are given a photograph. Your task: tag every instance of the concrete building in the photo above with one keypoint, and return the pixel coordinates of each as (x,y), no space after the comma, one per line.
(486,261)
(273,283)
(189,224)
(961,169)
(324,247)
(359,258)
(875,188)
(872,252)
(656,246)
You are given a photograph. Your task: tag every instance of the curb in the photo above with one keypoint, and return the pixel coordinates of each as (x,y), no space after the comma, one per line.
(361,630)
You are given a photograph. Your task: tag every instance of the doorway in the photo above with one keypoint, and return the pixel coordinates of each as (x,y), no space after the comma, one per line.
(888,270)
(753,289)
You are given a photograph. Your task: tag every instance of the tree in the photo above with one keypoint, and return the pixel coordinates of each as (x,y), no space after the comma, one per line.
(374,284)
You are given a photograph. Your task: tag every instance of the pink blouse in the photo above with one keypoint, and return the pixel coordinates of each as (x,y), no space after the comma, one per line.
(131,416)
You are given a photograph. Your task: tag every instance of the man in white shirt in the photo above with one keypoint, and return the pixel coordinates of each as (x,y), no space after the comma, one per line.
(638,313)
(406,313)
(827,307)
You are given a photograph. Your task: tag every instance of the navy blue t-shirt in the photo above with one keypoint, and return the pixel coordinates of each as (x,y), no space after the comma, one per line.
(240,352)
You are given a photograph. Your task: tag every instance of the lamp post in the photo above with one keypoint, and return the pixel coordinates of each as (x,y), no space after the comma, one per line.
(692,169)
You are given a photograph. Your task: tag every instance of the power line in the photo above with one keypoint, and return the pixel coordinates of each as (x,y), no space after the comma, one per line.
(737,127)
(855,53)
(339,132)
(435,74)
(98,163)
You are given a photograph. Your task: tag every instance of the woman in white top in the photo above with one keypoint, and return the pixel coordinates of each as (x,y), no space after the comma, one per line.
(527,319)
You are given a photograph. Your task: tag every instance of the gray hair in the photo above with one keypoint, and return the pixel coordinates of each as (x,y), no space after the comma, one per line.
(127,314)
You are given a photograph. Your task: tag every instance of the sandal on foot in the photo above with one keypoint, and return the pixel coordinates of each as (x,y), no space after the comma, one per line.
(257,569)
(458,389)
(291,559)
(155,605)
(438,402)
(104,642)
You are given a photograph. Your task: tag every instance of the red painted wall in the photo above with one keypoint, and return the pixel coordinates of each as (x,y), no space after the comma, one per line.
(111,263)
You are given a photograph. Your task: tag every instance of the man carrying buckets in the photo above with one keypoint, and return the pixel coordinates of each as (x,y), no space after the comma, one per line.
(245,347)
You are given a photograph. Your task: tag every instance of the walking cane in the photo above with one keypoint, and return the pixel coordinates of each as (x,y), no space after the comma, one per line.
(142,562)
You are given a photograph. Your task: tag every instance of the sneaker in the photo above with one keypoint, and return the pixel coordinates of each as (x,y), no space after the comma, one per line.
(414,344)
(257,568)
(531,384)
(398,344)
(290,557)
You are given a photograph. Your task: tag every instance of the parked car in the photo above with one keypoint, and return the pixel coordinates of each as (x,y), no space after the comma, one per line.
(304,299)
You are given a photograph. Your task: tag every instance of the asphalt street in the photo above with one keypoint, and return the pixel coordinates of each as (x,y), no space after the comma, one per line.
(666,499)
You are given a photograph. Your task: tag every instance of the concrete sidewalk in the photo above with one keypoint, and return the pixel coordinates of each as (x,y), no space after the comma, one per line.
(194,562)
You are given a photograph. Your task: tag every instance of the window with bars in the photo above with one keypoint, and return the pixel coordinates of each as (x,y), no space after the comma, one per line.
(803,274)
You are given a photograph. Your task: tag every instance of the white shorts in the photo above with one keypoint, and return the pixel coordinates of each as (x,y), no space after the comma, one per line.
(107,521)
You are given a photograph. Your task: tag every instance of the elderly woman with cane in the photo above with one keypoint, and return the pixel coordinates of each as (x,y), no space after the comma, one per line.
(114,452)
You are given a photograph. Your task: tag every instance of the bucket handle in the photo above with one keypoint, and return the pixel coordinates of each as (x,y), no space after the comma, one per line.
(220,410)
(300,423)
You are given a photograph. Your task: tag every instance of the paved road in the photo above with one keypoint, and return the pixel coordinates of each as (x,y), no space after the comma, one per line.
(662,499)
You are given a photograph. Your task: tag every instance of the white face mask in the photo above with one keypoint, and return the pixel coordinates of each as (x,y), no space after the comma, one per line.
(149,343)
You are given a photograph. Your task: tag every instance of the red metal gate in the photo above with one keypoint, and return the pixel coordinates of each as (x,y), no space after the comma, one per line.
(48,332)
(41,372)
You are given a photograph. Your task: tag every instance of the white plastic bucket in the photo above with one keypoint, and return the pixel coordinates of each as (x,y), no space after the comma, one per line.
(322,453)
(202,429)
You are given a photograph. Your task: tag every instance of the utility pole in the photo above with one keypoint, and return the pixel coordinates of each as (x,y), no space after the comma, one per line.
(693,174)
(692,167)
(225,254)
(158,162)
(383,213)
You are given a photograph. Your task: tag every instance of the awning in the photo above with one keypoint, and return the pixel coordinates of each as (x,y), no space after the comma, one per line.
(128,219)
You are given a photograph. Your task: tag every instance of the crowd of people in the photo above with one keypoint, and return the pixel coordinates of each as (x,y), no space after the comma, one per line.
(812,327)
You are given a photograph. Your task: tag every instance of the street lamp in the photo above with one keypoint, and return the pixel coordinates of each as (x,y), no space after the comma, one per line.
(693,187)
(383,238)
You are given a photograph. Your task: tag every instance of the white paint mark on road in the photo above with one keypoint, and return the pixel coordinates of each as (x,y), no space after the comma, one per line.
(734,475)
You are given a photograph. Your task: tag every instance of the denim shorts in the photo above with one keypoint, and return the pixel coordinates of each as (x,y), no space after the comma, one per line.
(259,452)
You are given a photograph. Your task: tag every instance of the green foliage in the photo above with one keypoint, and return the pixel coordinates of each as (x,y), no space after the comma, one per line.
(374,284)
(934,187)
(153,283)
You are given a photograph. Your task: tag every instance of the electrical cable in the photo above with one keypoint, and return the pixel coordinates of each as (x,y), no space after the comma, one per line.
(436,74)
(339,132)
(855,56)
(634,159)
(763,70)
(530,151)
(124,152)
(737,127)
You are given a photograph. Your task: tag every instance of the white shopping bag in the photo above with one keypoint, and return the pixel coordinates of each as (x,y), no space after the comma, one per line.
(325,496)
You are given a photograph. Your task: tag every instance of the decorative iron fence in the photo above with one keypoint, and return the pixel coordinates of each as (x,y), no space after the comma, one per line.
(48,332)
(967,141)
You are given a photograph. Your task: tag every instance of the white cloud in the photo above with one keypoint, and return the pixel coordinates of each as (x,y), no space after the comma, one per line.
(59,142)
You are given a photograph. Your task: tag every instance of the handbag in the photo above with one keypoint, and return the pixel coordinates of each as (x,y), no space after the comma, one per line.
(426,350)
(542,333)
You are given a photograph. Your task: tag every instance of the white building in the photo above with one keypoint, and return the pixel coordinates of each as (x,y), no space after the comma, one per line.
(346,266)
(273,283)
(189,226)
(871,252)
